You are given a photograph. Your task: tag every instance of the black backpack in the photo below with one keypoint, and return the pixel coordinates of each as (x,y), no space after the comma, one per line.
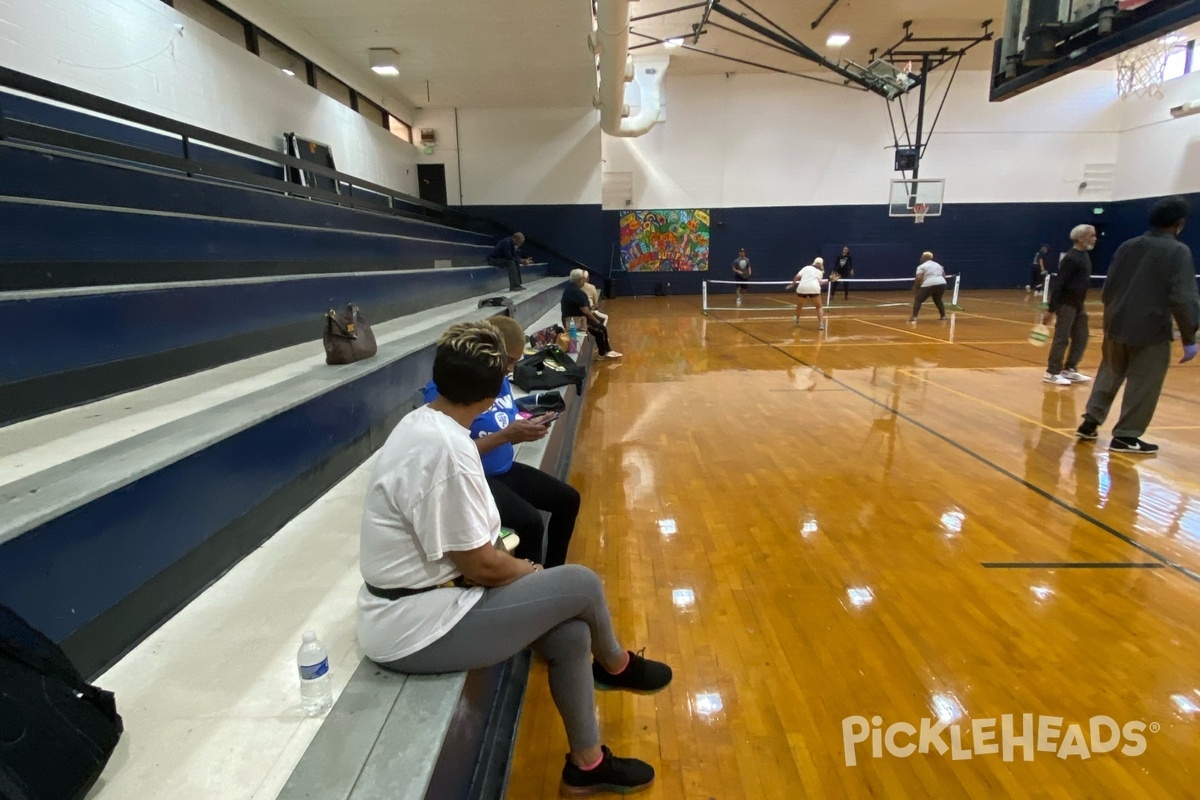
(504,303)
(56,730)
(548,369)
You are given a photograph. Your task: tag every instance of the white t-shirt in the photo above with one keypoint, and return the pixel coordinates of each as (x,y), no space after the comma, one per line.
(428,497)
(932,274)
(808,280)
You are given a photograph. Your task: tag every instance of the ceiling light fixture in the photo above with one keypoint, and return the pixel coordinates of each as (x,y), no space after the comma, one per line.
(671,44)
(383,61)
(288,72)
(838,39)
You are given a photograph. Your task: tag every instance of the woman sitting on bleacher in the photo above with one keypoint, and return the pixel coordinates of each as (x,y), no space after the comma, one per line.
(521,492)
(439,595)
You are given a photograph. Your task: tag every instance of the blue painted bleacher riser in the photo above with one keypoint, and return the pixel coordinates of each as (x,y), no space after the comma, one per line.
(101,576)
(32,174)
(99,328)
(106,342)
(47,233)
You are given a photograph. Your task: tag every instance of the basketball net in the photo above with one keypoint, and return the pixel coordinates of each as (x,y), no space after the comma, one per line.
(1140,70)
(919,212)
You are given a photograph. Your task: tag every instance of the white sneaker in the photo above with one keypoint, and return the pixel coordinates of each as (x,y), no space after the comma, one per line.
(821,327)
(1074,376)
(796,320)
(1057,380)
(739,301)
(613,354)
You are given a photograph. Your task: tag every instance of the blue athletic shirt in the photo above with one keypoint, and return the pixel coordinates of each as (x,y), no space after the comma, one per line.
(500,459)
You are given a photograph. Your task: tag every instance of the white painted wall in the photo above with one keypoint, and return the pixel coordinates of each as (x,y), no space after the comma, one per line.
(1159,155)
(129,51)
(527,156)
(773,140)
(441,120)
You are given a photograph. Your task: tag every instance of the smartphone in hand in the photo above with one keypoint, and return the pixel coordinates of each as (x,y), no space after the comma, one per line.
(545,419)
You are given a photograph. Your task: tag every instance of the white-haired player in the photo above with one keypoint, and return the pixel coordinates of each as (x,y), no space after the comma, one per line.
(808,283)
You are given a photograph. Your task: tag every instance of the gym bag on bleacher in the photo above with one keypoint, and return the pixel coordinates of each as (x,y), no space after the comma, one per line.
(509,309)
(56,730)
(548,369)
(348,337)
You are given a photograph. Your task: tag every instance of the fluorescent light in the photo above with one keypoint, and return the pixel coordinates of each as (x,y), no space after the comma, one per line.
(288,72)
(673,43)
(838,39)
(383,61)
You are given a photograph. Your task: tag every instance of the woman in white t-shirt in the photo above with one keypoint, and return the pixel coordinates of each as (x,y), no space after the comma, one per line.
(441,597)
(930,282)
(808,283)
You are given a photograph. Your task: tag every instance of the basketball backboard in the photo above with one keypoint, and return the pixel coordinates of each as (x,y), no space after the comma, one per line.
(1046,39)
(913,198)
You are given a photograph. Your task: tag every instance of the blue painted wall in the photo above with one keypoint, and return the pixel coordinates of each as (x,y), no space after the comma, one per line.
(991,244)
(576,231)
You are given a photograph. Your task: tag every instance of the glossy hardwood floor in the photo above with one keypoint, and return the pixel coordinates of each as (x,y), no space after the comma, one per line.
(882,521)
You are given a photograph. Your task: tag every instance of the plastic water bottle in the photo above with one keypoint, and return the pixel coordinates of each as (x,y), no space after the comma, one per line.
(316,691)
(574,346)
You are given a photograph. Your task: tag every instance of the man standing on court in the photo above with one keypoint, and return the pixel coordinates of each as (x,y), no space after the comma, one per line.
(741,273)
(1066,306)
(1039,270)
(1152,279)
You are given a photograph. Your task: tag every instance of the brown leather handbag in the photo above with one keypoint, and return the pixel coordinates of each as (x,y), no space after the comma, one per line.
(348,337)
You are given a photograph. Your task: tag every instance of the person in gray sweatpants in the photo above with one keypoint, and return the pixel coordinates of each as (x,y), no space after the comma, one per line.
(1067,298)
(1151,280)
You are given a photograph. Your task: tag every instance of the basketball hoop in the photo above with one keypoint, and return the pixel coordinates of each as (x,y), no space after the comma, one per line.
(1140,71)
(919,212)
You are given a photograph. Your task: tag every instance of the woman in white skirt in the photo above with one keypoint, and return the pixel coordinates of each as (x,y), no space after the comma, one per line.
(808,283)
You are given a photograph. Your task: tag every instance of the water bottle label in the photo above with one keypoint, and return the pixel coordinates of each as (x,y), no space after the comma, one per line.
(314,671)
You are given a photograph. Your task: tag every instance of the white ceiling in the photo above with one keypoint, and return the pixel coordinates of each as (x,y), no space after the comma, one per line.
(477,53)
(533,53)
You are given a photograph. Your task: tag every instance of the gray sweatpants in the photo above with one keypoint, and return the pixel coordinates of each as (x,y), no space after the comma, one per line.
(1142,370)
(562,613)
(926,292)
(1070,328)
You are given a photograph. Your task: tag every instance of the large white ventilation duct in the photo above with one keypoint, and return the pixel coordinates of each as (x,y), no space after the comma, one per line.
(611,44)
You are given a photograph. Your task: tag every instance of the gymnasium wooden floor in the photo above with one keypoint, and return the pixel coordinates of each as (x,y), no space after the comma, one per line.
(881,521)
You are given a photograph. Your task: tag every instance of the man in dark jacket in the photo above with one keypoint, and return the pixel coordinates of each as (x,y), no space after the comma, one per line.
(507,253)
(1067,297)
(1152,279)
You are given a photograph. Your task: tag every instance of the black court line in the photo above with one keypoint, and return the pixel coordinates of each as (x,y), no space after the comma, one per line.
(1072,565)
(1159,557)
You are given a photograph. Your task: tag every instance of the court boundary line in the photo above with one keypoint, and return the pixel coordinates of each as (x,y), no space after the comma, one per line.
(1071,565)
(1063,504)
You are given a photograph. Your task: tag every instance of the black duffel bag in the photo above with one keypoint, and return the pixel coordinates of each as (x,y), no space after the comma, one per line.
(548,369)
(56,730)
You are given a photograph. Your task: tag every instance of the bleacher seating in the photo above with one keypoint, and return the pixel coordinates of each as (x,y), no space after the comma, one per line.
(165,407)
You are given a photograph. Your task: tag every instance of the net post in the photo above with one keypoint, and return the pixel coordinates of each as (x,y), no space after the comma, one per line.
(1046,291)
(704,297)
(829,293)
(954,298)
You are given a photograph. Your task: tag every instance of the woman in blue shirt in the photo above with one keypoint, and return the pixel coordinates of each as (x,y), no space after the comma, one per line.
(521,492)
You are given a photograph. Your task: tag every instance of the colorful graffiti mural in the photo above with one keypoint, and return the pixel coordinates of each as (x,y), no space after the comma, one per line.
(665,241)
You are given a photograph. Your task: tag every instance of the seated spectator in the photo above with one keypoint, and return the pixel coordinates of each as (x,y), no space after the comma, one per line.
(519,489)
(507,253)
(575,303)
(593,297)
(439,595)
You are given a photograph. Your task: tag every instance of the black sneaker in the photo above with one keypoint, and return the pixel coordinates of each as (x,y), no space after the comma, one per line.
(1129,444)
(640,676)
(1086,430)
(620,775)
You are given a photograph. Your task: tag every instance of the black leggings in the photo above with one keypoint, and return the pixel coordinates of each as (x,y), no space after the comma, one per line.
(519,494)
(926,292)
